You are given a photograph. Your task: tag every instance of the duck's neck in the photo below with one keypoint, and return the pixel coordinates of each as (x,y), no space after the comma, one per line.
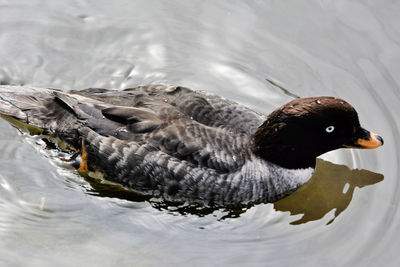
(286,157)
(268,145)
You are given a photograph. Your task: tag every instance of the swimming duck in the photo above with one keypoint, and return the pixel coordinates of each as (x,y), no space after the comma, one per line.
(187,145)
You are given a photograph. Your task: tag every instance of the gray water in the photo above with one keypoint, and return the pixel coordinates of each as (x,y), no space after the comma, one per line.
(347,215)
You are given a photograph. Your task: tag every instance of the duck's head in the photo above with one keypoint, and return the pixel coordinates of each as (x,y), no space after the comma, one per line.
(295,134)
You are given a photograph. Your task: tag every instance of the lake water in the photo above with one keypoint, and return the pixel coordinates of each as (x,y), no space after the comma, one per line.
(347,215)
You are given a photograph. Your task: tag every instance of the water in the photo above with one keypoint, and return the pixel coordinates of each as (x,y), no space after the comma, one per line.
(344,217)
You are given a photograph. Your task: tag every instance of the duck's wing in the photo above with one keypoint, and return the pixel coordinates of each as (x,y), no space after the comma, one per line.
(164,127)
(159,123)
(201,128)
(205,108)
(17,101)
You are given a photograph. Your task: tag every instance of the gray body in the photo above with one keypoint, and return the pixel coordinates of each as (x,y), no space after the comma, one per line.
(161,140)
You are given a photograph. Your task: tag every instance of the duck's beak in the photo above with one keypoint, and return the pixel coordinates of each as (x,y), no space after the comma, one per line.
(365,139)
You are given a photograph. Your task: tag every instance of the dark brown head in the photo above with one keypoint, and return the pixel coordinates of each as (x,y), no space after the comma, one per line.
(295,134)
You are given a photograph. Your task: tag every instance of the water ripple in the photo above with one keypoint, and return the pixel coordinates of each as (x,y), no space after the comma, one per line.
(347,215)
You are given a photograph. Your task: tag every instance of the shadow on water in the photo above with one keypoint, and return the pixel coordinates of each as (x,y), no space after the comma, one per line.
(331,187)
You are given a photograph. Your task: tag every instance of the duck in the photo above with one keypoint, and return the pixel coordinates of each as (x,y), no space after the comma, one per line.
(191,146)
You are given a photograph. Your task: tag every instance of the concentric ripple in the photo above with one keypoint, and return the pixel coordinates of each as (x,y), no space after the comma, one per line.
(347,215)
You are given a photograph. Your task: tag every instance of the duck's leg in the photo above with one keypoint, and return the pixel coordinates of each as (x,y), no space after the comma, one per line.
(83,167)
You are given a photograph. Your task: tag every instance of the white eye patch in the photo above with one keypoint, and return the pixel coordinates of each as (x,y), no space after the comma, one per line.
(330,129)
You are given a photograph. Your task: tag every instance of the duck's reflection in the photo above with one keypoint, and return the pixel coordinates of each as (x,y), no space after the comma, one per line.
(331,187)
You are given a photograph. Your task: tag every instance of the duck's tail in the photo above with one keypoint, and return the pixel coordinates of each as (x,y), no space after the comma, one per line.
(24,102)
(55,112)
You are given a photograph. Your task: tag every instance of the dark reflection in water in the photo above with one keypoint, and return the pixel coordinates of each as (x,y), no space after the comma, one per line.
(331,187)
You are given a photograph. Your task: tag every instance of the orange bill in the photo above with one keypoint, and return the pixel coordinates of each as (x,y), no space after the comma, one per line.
(371,141)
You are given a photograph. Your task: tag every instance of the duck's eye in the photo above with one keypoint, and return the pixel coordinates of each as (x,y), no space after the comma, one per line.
(330,129)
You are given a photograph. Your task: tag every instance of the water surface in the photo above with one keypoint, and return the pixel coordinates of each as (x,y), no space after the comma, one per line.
(347,215)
